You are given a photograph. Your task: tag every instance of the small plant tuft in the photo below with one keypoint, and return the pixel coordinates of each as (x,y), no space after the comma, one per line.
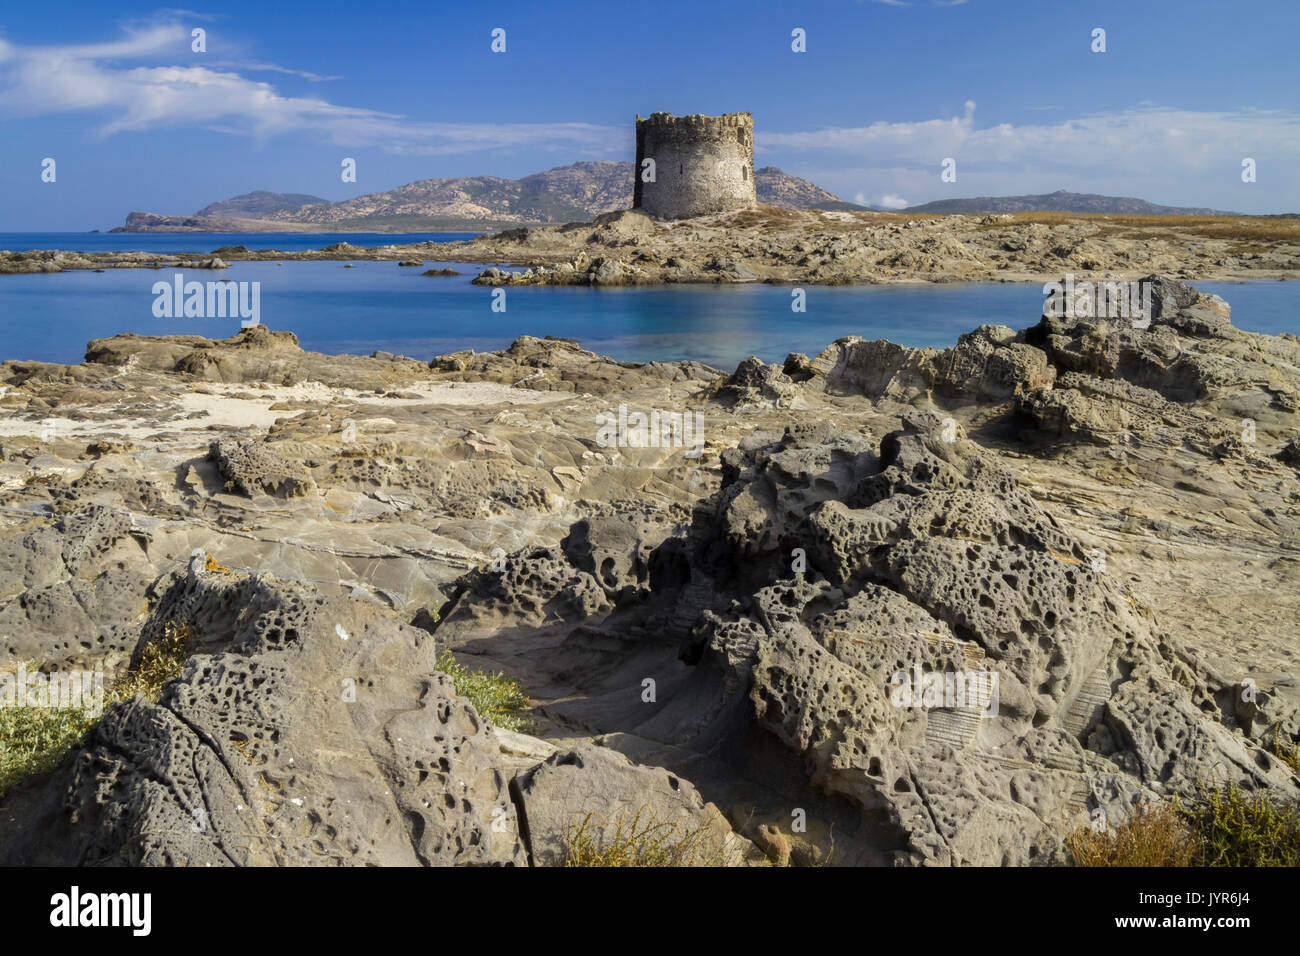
(1289,755)
(161,660)
(497,697)
(637,842)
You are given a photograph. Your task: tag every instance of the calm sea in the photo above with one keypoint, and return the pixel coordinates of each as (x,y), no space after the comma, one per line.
(380,305)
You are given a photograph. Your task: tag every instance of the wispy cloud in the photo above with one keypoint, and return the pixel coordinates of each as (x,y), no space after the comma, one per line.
(272,68)
(1140,141)
(139,83)
(1184,157)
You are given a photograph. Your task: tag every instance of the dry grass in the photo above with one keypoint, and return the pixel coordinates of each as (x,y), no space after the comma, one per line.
(161,661)
(1254,234)
(1158,837)
(766,218)
(637,842)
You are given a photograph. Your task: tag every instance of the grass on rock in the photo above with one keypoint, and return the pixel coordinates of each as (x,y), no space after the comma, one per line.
(497,697)
(33,740)
(640,841)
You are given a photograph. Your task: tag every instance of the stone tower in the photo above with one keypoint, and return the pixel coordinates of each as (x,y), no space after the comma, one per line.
(702,164)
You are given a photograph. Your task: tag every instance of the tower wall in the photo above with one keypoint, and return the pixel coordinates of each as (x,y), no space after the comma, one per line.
(703,164)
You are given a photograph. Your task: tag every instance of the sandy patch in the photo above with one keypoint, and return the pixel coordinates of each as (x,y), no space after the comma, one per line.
(241,405)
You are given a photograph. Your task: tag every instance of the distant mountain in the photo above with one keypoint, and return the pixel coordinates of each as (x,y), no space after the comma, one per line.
(257,204)
(776,187)
(581,191)
(578,192)
(1062,201)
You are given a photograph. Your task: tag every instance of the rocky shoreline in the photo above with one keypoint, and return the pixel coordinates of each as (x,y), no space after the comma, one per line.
(1104,517)
(769,244)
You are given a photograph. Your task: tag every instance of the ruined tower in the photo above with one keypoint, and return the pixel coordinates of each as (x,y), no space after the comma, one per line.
(702,164)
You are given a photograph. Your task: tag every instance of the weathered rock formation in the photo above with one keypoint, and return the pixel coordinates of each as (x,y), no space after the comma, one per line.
(1087,527)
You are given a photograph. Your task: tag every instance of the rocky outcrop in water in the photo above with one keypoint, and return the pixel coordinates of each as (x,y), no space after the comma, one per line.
(796,246)
(840,247)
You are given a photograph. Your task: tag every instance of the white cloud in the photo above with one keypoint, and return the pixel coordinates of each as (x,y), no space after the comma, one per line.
(890,201)
(1139,140)
(1187,156)
(116,78)
(272,68)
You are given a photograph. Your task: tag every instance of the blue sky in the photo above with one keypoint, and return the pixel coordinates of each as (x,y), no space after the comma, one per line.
(886,90)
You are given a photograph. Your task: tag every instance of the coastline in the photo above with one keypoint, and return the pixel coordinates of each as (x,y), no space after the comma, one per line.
(798,248)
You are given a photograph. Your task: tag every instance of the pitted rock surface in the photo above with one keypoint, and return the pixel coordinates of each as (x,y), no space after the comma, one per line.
(283,743)
(252,469)
(1104,517)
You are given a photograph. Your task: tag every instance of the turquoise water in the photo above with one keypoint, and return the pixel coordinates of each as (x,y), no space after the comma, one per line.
(380,305)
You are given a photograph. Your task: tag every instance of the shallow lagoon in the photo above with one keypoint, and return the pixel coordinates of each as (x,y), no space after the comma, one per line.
(380,305)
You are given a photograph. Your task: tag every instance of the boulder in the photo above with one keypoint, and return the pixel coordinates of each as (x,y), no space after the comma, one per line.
(607,798)
(251,468)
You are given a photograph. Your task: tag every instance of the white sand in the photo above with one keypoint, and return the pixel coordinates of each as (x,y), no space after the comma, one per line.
(253,408)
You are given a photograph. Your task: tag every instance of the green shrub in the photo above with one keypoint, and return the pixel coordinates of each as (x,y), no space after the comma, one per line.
(1240,829)
(1288,754)
(1222,826)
